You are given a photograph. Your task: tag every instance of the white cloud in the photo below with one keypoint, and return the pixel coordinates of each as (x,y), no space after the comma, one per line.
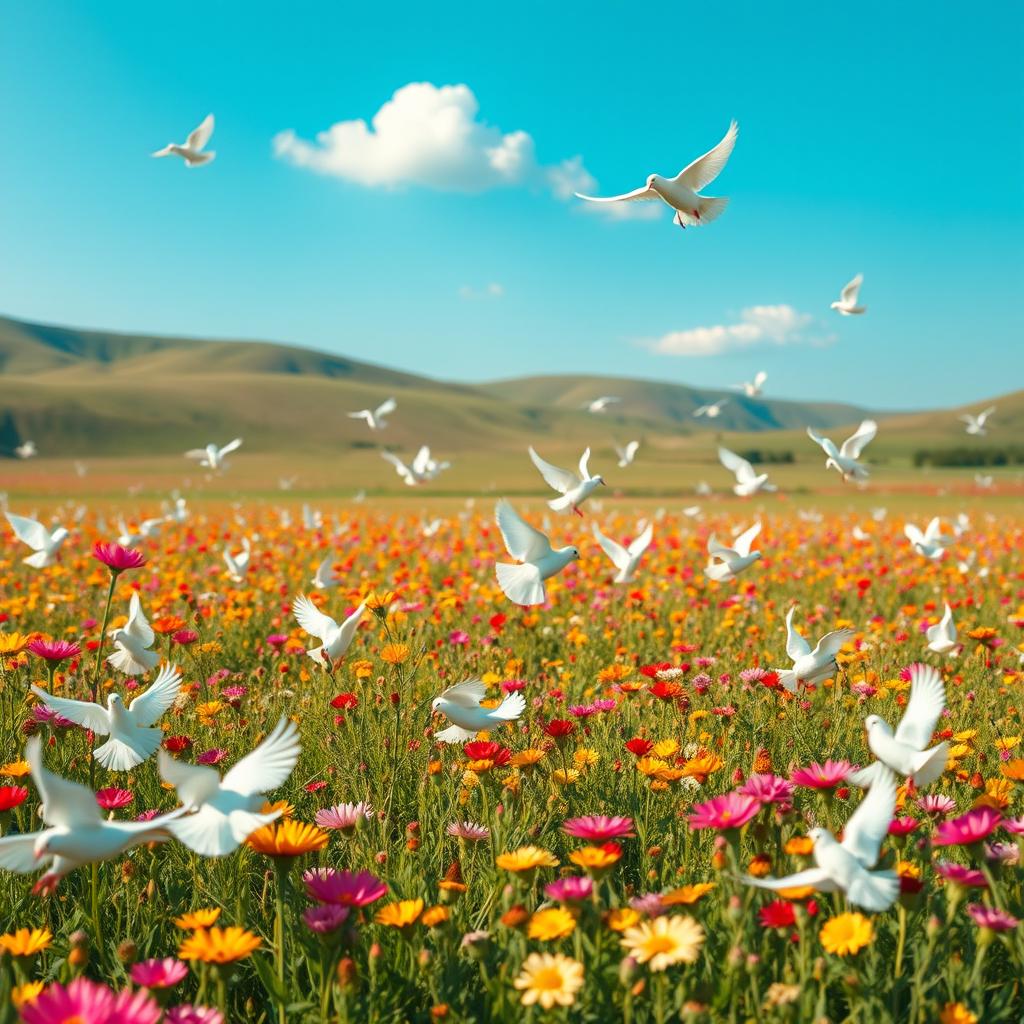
(570,177)
(777,325)
(490,291)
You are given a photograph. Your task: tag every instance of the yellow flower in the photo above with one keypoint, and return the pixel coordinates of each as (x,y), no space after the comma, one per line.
(957,1013)
(846,934)
(596,858)
(614,673)
(16,769)
(665,748)
(565,777)
(361,668)
(402,914)
(701,767)
(26,941)
(25,995)
(395,654)
(526,858)
(288,838)
(526,758)
(665,941)
(379,603)
(210,709)
(779,994)
(1014,769)
(197,919)
(553,923)
(549,979)
(13,643)
(652,767)
(585,758)
(687,894)
(797,892)
(287,810)
(622,918)
(437,915)
(218,945)
(799,846)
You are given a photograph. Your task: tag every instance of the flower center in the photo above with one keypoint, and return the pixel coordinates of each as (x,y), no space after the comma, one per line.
(660,944)
(549,979)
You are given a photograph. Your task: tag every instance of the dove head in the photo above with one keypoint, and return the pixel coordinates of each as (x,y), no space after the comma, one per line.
(600,480)
(575,552)
(114,701)
(817,835)
(874,723)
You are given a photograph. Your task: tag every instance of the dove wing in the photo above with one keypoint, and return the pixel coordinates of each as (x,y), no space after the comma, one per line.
(561,480)
(521,539)
(81,712)
(869,825)
(195,784)
(831,643)
(231,446)
(815,877)
(29,532)
(626,197)
(640,544)
(269,765)
(138,625)
(158,697)
(926,704)
(706,168)
(827,444)
(200,136)
(796,645)
(466,694)
(736,464)
(65,803)
(613,549)
(388,405)
(857,442)
(312,620)
(848,296)
(584,469)
(743,542)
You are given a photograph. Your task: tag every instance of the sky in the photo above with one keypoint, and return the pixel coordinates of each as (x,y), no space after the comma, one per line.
(394,183)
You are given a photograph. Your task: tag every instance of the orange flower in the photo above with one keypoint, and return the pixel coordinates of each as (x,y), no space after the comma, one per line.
(288,838)
(395,654)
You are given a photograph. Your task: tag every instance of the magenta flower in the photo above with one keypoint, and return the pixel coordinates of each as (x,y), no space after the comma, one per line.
(959,874)
(1015,826)
(213,756)
(186,1013)
(599,828)
(344,816)
(54,650)
(768,789)
(973,827)
(116,558)
(186,637)
(468,830)
(650,904)
(42,715)
(572,889)
(325,918)
(458,637)
(937,805)
(112,798)
(732,810)
(158,973)
(90,1003)
(993,919)
(343,887)
(902,826)
(822,776)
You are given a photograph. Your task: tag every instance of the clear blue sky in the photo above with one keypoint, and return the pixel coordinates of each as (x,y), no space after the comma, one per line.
(883,138)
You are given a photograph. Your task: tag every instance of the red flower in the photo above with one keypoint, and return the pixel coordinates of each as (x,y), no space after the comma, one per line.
(11,797)
(480,750)
(770,679)
(559,728)
(652,670)
(777,914)
(116,558)
(665,690)
(639,746)
(497,621)
(345,701)
(315,786)
(185,637)
(176,744)
(113,798)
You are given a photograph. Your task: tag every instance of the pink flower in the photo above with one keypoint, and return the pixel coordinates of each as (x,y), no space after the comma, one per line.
(573,889)
(969,828)
(344,816)
(186,637)
(938,805)
(992,918)
(732,810)
(158,973)
(458,636)
(54,650)
(116,558)
(343,887)
(325,918)
(90,1003)
(768,789)
(822,776)
(186,1013)
(112,798)
(598,828)
(1015,826)
(959,874)
(214,756)
(468,830)
(902,826)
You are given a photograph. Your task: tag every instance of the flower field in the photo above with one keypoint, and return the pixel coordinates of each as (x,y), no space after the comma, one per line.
(592,859)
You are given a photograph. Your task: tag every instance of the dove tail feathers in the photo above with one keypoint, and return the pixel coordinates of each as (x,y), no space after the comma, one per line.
(124,661)
(521,583)
(930,764)
(454,734)
(874,890)
(712,207)
(510,708)
(39,560)
(560,504)
(118,756)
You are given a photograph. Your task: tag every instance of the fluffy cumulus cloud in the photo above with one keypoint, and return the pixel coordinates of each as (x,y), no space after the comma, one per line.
(432,136)
(777,325)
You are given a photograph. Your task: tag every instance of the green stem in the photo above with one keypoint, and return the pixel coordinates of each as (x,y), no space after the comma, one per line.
(281,871)
(96,670)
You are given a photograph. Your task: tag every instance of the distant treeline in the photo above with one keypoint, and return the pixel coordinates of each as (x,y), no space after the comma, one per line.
(1013,455)
(755,456)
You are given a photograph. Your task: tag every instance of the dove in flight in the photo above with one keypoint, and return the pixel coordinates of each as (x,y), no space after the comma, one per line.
(238,564)
(575,487)
(133,738)
(524,584)
(132,642)
(732,561)
(44,542)
(906,751)
(460,704)
(846,305)
(178,512)
(628,454)
(193,151)
(976,424)
(712,410)
(844,459)
(811,666)
(325,578)
(682,191)
(846,866)
(213,457)
(375,417)
(747,481)
(753,388)
(76,832)
(625,559)
(26,450)
(334,639)
(932,543)
(942,636)
(601,404)
(227,810)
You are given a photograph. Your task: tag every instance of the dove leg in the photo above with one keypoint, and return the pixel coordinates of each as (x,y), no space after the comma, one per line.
(577,511)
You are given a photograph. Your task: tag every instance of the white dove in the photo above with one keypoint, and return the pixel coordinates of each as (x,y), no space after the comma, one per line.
(753,388)
(984,481)
(44,542)
(942,636)
(628,454)
(460,704)
(286,483)
(408,474)
(976,424)
(132,642)
(26,450)
(238,564)
(747,481)
(524,584)
(427,466)
(625,559)
(681,192)
(77,834)
(845,867)
(844,459)
(732,561)
(193,150)
(227,810)
(575,487)
(932,543)
(211,456)
(130,728)
(847,302)
(601,404)
(178,512)
(905,751)
(325,578)
(334,639)
(810,666)
(712,410)
(375,417)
